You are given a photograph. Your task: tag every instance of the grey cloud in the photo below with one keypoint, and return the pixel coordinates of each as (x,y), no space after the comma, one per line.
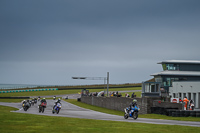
(89,38)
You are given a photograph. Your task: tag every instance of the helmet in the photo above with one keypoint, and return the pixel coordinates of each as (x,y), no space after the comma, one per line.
(43,98)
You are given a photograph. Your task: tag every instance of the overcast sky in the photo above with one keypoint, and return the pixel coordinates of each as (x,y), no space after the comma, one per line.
(50,41)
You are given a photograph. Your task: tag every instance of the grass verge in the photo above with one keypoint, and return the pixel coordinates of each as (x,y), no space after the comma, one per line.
(29,123)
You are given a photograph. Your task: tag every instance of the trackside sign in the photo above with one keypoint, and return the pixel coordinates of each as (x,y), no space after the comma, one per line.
(174,100)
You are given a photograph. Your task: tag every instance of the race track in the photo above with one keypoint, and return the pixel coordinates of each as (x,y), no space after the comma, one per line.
(70,110)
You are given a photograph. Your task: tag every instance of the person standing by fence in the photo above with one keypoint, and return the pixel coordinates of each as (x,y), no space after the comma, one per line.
(185,100)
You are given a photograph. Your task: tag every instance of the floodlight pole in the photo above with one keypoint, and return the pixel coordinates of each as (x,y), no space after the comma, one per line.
(107,82)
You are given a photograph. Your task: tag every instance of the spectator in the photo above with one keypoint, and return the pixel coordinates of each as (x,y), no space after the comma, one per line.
(191,105)
(185,100)
(127,95)
(132,96)
(180,101)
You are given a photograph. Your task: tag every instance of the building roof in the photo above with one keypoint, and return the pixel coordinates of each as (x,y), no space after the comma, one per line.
(177,73)
(181,61)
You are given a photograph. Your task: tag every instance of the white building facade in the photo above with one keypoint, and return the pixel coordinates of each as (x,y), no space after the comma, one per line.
(190,89)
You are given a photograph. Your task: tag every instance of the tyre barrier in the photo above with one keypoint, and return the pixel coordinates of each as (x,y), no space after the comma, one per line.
(193,113)
(13,91)
(170,111)
(197,113)
(178,113)
(175,112)
(182,113)
(187,113)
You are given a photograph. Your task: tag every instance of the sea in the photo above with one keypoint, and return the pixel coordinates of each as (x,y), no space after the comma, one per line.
(20,86)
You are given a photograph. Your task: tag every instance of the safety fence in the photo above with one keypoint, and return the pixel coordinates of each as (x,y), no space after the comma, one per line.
(30,90)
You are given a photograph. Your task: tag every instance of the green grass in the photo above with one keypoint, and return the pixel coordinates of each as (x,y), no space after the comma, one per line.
(28,123)
(11,100)
(61,92)
(151,116)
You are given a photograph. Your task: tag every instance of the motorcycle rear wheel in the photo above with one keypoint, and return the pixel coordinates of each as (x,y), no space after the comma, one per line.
(135,115)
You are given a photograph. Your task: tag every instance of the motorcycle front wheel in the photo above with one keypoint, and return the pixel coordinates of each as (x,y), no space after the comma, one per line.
(42,109)
(53,111)
(58,111)
(125,116)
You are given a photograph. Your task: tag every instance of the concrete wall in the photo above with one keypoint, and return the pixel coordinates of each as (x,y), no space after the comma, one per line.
(169,105)
(189,89)
(119,103)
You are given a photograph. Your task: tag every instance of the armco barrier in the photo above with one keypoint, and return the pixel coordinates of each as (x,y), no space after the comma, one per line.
(13,91)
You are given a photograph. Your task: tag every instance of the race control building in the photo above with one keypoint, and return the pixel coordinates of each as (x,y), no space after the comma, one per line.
(178,79)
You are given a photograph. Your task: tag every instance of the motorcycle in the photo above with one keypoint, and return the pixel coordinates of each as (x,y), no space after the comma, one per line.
(35,100)
(56,108)
(54,97)
(26,106)
(42,106)
(32,102)
(133,112)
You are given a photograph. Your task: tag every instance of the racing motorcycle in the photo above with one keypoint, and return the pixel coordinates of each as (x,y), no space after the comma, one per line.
(56,108)
(133,112)
(54,97)
(26,106)
(32,102)
(35,100)
(42,106)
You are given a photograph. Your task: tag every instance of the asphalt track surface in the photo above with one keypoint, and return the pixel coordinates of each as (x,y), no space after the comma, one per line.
(73,111)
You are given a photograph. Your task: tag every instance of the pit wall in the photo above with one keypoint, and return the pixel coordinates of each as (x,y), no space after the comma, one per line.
(119,103)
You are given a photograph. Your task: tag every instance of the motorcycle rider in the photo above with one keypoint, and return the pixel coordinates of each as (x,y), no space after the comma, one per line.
(43,100)
(133,104)
(24,101)
(39,98)
(54,97)
(58,101)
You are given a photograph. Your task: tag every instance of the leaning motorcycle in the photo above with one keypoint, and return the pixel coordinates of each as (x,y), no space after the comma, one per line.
(35,100)
(42,106)
(56,108)
(133,112)
(25,106)
(32,102)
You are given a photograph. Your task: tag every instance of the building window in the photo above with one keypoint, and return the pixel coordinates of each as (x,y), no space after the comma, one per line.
(174,95)
(180,95)
(169,81)
(171,67)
